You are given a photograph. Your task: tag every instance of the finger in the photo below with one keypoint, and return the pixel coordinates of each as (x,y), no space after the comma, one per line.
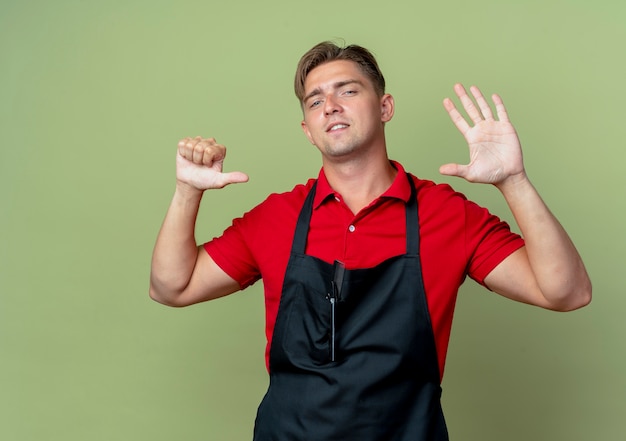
(453,170)
(235,177)
(208,151)
(472,111)
(198,151)
(456,116)
(485,109)
(213,153)
(500,109)
(185,147)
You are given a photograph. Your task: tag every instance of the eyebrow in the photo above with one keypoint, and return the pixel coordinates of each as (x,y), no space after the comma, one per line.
(337,85)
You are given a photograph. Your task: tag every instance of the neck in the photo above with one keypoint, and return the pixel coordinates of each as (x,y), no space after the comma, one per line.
(360,181)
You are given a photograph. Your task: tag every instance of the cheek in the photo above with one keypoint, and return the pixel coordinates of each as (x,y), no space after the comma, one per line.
(307,132)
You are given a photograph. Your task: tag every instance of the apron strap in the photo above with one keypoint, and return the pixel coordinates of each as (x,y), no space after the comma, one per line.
(302,227)
(412,223)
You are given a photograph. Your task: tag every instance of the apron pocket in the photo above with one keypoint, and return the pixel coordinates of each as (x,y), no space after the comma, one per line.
(305,337)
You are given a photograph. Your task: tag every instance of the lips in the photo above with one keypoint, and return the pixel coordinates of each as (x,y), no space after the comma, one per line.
(337,126)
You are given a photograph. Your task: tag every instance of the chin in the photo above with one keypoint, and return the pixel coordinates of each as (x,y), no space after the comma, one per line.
(337,151)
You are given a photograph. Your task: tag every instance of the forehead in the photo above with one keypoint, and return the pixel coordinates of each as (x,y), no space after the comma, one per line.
(332,72)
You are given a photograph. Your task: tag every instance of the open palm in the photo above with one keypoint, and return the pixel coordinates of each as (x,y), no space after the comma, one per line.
(494,147)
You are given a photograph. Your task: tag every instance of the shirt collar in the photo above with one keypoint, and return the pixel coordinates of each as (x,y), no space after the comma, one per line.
(399,189)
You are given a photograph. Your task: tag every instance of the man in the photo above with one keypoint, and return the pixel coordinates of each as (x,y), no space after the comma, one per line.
(361,266)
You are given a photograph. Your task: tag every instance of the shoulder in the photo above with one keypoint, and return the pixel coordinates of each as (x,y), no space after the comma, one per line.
(260,239)
(278,210)
(432,195)
(425,189)
(297,193)
(285,202)
(442,200)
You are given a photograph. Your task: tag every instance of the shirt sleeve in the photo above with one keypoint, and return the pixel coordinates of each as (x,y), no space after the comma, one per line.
(489,241)
(257,244)
(231,252)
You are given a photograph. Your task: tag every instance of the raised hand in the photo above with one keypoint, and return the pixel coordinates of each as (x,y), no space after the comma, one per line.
(199,164)
(494,147)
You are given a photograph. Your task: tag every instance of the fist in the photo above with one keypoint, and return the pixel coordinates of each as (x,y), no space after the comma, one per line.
(199,164)
(202,151)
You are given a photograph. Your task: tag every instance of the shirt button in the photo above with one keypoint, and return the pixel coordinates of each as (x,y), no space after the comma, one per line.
(337,199)
(351,228)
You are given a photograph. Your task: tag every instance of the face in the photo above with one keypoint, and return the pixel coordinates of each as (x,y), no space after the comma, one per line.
(343,114)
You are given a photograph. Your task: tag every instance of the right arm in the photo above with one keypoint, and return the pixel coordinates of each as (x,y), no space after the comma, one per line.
(183,273)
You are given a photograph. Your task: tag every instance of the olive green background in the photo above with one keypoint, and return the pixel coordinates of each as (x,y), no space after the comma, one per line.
(93,99)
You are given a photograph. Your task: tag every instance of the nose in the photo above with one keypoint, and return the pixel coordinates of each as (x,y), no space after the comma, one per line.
(331,105)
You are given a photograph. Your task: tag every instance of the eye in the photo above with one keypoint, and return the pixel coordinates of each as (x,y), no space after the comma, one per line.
(315,103)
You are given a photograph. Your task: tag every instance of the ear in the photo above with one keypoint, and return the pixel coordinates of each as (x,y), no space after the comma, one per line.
(387,107)
(306,131)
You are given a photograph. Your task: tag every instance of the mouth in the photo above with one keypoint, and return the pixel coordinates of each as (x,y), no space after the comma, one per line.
(337,126)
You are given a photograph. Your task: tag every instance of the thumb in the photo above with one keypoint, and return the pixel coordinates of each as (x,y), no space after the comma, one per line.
(453,170)
(233,178)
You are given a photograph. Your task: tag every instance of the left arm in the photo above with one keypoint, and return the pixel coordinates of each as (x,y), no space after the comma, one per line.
(548,271)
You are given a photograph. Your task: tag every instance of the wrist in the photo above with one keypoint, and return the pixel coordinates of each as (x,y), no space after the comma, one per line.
(514,183)
(187,192)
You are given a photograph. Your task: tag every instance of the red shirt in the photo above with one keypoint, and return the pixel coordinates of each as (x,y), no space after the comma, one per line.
(457,238)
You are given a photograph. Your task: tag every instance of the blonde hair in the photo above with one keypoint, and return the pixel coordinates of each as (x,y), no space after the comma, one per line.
(328,51)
